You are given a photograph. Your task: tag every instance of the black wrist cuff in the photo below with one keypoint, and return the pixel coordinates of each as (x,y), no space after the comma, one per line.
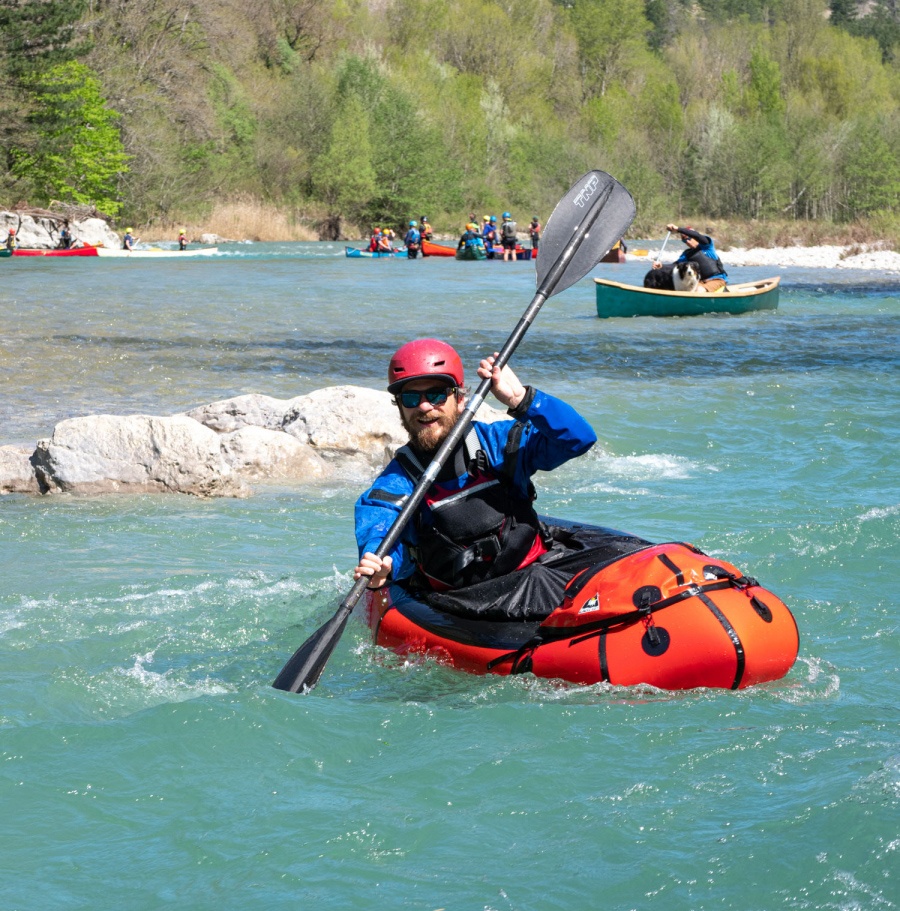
(522,408)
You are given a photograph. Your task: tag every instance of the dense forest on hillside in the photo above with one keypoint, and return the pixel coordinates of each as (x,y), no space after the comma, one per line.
(347,113)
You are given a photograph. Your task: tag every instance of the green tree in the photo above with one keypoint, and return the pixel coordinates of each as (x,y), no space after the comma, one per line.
(610,33)
(36,35)
(764,90)
(842,12)
(79,155)
(343,176)
(871,171)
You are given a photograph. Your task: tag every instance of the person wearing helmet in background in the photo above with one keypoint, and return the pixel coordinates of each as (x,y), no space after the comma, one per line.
(489,234)
(477,521)
(425,228)
(385,244)
(413,240)
(469,237)
(534,232)
(128,241)
(508,237)
(11,242)
(182,240)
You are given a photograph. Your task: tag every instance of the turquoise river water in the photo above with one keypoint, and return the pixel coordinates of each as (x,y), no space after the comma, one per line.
(146,763)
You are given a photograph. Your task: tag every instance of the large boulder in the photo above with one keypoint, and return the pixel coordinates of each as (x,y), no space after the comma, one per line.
(251,410)
(135,454)
(351,425)
(97,232)
(36,232)
(258,454)
(16,471)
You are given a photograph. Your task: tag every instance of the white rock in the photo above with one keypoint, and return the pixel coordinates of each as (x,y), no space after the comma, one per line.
(252,410)
(36,233)
(95,231)
(257,454)
(350,424)
(16,471)
(135,454)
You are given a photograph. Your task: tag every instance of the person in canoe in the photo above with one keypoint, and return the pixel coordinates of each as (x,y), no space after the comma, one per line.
(470,237)
(701,252)
(477,521)
(384,242)
(65,237)
(413,240)
(129,240)
(182,240)
(11,242)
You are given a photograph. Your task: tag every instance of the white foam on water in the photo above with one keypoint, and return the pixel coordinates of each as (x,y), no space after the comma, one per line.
(652,467)
(880,513)
(166,686)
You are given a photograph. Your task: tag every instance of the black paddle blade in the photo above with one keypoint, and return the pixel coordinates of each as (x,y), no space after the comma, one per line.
(303,669)
(597,201)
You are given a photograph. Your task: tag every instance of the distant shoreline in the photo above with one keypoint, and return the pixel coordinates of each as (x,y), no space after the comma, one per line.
(855,256)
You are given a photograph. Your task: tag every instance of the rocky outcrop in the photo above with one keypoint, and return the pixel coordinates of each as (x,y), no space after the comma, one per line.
(217,449)
(16,471)
(42,232)
(257,454)
(135,454)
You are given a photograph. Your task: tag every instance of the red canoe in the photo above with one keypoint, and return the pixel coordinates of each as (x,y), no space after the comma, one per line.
(77,251)
(432,249)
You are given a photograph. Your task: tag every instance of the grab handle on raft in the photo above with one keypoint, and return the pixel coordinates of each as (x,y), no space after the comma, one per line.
(575,239)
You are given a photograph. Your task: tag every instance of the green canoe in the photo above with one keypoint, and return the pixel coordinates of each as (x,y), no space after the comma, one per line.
(616,299)
(5,252)
(475,251)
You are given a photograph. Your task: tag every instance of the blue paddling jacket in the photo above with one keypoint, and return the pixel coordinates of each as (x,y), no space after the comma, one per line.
(704,256)
(545,433)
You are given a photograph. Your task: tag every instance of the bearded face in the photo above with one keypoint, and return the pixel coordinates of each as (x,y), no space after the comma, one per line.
(428,425)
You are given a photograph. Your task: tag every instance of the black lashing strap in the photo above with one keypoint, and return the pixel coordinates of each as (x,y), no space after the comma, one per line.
(580,634)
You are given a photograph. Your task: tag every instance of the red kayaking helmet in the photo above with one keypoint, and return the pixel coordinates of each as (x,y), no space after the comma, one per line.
(424,357)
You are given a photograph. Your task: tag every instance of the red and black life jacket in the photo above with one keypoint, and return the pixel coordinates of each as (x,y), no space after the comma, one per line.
(477,531)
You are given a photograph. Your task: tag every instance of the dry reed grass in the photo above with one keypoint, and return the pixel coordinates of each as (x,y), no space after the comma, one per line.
(243,219)
(252,219)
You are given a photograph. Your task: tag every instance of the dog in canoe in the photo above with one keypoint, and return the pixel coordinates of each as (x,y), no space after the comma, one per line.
(686,277)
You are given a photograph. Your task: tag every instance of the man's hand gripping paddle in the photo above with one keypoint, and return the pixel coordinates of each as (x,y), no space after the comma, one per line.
(587,221)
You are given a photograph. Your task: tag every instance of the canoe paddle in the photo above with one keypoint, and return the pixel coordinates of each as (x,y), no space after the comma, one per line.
(663,248)
(586,222)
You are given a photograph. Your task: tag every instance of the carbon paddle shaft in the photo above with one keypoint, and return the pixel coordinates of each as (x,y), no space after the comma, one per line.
(590,195)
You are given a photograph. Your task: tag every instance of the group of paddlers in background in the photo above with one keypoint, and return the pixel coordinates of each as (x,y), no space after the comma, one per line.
(496,239)
(502,238)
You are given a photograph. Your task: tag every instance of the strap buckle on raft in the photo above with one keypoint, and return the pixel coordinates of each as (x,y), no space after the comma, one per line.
(645,609)
(742,583)
(520,658)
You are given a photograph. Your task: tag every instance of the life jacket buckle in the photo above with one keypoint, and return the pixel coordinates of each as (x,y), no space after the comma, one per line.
(482,551)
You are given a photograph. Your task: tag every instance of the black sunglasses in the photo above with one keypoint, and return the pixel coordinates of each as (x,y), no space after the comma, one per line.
(436,396)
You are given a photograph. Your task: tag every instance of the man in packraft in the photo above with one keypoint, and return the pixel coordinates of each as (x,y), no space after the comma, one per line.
(477,520)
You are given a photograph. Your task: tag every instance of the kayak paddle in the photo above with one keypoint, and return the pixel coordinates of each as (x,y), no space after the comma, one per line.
(586,222)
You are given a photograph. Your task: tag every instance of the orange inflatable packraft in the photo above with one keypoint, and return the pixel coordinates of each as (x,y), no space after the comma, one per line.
(667,615)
